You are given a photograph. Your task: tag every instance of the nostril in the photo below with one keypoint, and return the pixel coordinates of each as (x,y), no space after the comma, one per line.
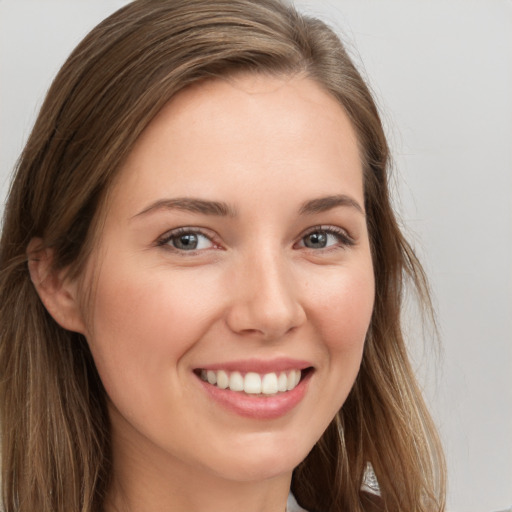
(265,321)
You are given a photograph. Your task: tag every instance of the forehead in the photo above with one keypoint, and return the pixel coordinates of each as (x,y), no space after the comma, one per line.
(251,130)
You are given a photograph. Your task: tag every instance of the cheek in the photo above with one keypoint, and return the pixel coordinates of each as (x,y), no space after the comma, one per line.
(340,314)
(142,326)
(343,310)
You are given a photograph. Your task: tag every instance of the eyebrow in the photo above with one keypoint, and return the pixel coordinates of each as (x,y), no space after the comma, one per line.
(221,209)
(323,204)
(190,205)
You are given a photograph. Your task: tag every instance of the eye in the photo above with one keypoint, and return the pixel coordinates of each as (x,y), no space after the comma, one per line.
(325,238)
(186,239)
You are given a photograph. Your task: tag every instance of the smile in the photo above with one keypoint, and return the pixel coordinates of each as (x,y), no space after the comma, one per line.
(261,390)
(253,383)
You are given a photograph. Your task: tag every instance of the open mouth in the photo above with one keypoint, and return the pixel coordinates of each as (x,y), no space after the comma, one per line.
(252,383)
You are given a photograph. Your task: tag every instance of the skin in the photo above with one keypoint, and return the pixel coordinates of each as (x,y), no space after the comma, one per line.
(253,289)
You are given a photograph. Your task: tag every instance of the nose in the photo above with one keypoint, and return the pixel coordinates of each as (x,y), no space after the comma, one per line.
(264,298)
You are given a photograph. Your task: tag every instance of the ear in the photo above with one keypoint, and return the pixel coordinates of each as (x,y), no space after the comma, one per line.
(58,293)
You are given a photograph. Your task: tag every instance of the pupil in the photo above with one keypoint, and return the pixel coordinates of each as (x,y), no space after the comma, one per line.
(316,240)
(186,242)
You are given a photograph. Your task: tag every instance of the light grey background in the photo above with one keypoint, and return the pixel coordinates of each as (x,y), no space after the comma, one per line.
(442,74)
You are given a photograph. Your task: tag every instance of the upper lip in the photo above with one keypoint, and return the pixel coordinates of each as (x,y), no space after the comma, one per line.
(280,364)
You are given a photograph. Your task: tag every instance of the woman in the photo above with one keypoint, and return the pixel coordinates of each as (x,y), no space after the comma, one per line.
(201,277)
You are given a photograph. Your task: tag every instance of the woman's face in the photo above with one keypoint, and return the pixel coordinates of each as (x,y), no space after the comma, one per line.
(234,260)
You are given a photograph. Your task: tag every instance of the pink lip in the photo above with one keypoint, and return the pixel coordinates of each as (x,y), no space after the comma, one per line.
(257,406)
(281,364)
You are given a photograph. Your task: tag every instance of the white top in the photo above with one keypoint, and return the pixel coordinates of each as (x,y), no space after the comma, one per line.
(292,505)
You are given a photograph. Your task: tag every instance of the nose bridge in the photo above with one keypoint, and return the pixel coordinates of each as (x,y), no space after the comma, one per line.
(266,300)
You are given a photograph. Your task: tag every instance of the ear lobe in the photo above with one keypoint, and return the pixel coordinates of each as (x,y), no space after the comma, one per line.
(57,292)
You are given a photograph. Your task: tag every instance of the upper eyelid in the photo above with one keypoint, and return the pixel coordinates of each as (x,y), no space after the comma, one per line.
(188,229)
(329,228)
(323,227)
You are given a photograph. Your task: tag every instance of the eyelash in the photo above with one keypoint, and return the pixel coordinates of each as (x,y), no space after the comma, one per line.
(179,232)
(344,239)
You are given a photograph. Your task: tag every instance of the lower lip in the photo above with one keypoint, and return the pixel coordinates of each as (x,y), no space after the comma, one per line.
(258,406)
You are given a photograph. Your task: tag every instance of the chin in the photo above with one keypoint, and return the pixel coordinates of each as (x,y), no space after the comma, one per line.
(257,471)
(266,461)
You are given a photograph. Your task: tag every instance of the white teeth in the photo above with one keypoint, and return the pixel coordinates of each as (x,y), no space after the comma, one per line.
(253,383)
(282,382)
(222,379)
(211,376)
(290,380)
(269,384)
(236,382)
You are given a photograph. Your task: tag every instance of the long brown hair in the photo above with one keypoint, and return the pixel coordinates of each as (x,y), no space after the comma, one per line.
(54,421)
